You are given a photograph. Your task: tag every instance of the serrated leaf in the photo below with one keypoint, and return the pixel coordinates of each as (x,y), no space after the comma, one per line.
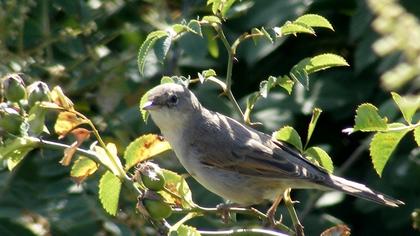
(143,100)
(417,135)
(316,112)
(179,187)
(66,122)
(286,83)
(161,47)
(195,27)
(314,20)
(146,46)
(408,105)
(144,148)
(109,192)
(82,168)
(382,146)
(266,85)
(322,62)
(299,74)
(113,165)
(212,19)
(320,157)
(293,28)
(367,119)
(289,135)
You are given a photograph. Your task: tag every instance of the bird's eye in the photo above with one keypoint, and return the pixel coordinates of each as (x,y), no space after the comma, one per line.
(173,99)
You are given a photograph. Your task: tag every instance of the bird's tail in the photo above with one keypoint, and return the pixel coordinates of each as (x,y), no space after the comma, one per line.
(360,190)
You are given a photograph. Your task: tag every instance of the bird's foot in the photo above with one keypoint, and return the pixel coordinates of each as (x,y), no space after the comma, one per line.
(224,211)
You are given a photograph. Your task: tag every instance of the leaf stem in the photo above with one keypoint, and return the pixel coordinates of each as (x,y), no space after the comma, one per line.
(231,55)
(289,205)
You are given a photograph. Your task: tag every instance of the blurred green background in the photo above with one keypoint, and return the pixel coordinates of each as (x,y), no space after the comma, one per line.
(89,48)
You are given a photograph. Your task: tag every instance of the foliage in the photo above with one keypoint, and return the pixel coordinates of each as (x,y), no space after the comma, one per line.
(89,49)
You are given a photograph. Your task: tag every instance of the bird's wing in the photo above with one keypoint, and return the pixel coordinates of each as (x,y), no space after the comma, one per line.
(277,161)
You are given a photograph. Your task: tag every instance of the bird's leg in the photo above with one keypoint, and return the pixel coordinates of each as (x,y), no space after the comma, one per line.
(224,208)
(289,205)
(271,213)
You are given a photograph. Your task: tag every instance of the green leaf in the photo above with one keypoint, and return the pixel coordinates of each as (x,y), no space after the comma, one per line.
(208,73)
(316,112)
(166,80)
(270,35)
(109,192)
(212,45)
(144,148)
(212,19)
(320,157)
(266,85)
(146,46)
(322,62)
(36,119)
(15,150)
(286,83)
(408,105)
(185,230)
(289,135)
(417,135)
(195,27)
(161,47)
(256,34)
(314,20)
(177,185)
(299,74)
(382,146)
(179,28)
(82,168)
(293,28)
(367,119)
(105,156)
(143,100)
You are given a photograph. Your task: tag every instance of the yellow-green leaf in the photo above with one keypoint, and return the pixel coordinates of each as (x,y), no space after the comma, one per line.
(67,121)
(212,19)
(143,100)
(185,230)
(417,135)
(314,20)
(212,45)
(320,157)
(144,148)
(367,119)
(382,146)
(286,83)
(289,135)
(293,28)
(109,192)
(195,27)
(315,115)
(114,165)
(322,62)
(82,168)
(408,105)
(177,185)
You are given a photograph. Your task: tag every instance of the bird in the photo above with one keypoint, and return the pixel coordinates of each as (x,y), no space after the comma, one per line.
(235,161)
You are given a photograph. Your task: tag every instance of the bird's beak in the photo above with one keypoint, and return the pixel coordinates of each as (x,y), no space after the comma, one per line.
(150,105)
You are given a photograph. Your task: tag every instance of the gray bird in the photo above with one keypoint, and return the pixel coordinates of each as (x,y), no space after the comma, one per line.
(235,161)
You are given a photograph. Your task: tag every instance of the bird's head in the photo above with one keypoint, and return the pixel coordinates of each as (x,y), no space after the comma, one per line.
(171,105)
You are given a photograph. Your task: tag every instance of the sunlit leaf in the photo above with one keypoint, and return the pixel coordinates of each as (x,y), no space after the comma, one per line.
(146,46)
(143,100)
(368,119)
(109,192)
(61,100)
(289,135)
(382,146)
(113,164)
(212,45)
(321,62)
(320,157)
(66,121)
(417,135)
(144,148)
(185,230)
(161,47)
(286,83)
(177,185)
(15,150)
(81,135)
(314,20)
(195,27)
(408,105)
(315,115)
(36,119)
(293,28)
(337,230)
(82,168)
(212,19)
